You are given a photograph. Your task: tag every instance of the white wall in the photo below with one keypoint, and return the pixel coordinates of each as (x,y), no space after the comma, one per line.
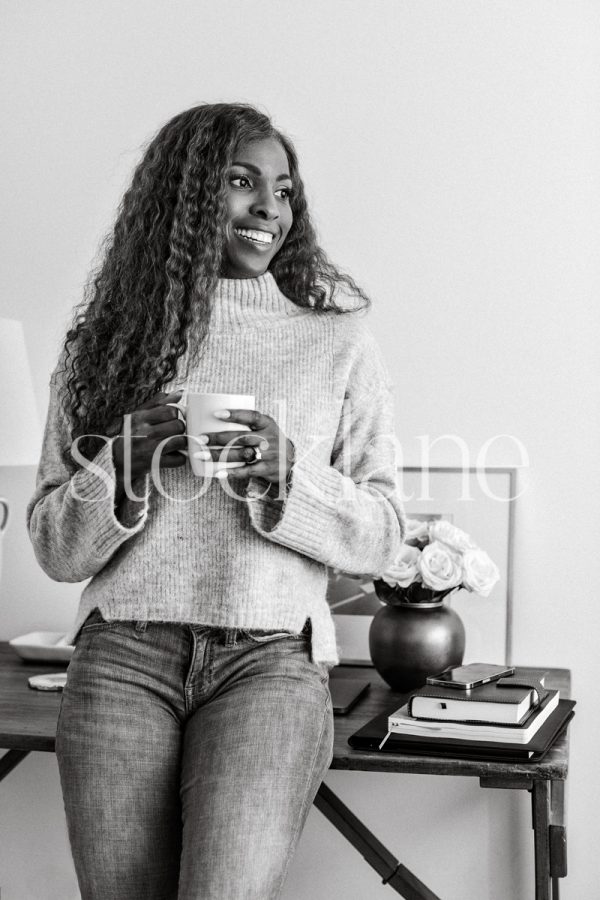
(450,152)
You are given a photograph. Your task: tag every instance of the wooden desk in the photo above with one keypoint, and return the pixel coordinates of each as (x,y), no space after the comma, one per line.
(28,722)
(545,781)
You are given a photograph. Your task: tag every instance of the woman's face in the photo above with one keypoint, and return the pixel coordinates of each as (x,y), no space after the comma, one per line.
(259,215)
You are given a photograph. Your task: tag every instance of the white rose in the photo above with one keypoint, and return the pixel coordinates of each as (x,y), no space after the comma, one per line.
(480,574)
(440,567)
(416,530)
(449,534)
(405,568)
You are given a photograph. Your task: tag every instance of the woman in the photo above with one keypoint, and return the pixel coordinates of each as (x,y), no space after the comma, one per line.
(196,724)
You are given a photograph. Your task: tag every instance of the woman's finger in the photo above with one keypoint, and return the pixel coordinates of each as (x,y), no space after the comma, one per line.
(161,399)
(254,419)
(236,453)
(233,438)
(170,428)
(172,460)
(256,469)
(163,413)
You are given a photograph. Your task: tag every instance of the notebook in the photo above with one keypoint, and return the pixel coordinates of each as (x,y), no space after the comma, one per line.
(400,722)
(505,701)
(370,736)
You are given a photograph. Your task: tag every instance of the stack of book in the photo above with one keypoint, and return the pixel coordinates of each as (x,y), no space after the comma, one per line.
(516,718)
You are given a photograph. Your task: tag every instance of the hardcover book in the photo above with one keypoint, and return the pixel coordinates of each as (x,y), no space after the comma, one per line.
(401,722)
(507,701)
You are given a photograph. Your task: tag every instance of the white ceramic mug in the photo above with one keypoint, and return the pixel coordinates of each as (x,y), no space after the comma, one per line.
(198,411)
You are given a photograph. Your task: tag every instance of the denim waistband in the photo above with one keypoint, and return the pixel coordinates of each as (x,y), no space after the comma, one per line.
(229,635)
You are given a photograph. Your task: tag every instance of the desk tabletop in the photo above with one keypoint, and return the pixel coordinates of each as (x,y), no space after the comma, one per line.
(27,717)
(28,722)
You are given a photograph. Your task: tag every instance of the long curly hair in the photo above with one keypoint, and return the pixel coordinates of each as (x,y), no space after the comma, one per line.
(149,297)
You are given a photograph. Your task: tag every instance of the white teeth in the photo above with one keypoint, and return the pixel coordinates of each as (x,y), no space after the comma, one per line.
(261,237)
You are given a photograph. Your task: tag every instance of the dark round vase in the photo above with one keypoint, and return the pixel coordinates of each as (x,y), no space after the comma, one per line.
(410,641)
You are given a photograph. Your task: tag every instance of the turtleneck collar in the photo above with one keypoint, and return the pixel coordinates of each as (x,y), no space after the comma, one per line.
(251,303)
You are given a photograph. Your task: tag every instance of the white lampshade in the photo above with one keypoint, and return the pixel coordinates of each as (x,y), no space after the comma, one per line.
(20,430)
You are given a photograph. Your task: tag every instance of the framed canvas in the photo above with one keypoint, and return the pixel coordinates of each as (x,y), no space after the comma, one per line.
(482,503)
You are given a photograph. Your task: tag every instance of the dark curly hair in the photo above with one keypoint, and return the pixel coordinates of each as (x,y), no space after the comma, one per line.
(150,295)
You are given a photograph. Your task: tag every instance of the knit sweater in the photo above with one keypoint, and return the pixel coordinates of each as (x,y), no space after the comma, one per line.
(194,551)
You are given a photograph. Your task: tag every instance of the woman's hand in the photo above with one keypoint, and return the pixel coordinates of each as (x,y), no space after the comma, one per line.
(277,450)
(150,424)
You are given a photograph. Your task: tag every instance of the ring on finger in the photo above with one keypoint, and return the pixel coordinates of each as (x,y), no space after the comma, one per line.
(258,447)
(257,456)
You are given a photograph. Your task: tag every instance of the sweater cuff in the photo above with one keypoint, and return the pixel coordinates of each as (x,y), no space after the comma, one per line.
(95,485)
(301,520)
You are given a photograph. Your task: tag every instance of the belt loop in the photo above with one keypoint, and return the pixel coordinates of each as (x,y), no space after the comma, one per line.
(230,636)
(141,625)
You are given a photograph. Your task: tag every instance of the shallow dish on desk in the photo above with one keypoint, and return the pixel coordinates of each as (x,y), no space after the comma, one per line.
(43,646)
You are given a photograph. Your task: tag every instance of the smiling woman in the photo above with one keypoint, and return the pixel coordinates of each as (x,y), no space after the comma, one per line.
(259,213)
(196,724)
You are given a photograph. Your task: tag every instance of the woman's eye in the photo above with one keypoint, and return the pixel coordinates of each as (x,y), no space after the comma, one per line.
(241,181)
(285,193)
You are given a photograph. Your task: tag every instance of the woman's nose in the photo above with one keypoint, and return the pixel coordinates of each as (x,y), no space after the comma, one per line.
(265,206)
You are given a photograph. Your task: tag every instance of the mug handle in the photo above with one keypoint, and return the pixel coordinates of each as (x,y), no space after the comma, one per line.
(180,409)
(181,412)
(5,514)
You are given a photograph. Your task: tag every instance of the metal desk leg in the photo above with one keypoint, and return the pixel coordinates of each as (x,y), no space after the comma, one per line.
(540,797)
(550,836)
(10,760)
(558,835)
(549,830)
(393,873)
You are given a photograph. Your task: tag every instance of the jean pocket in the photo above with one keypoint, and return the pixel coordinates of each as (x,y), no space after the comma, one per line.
(265,637)
(323,672)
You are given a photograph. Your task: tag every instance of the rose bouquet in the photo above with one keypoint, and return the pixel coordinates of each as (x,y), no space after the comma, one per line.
(436,559)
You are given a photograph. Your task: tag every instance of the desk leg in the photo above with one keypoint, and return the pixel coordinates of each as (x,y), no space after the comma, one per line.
(10,760)
(550,836)
(540,799)
(549,830)
(393,873)
(558,835)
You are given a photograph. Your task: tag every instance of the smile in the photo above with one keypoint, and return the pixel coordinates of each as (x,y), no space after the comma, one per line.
(253,236)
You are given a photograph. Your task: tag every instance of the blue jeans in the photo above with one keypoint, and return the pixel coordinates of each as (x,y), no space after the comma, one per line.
(189,757)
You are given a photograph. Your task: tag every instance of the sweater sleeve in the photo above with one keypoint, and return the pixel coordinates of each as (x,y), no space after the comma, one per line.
(71,517)
(349,514)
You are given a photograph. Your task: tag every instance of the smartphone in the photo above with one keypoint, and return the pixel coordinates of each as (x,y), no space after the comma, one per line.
(467,677)
(345,693)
